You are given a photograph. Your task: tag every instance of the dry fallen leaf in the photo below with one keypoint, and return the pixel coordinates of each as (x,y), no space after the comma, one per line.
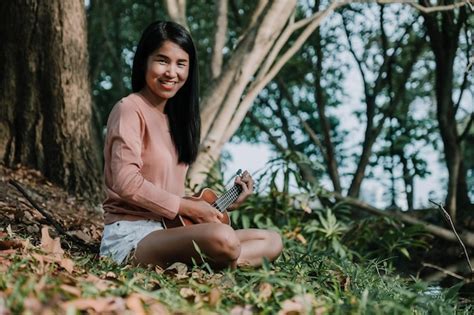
(179,269)
(265,291)
(49,245)
(71,290)
(241,310)
(297,305)
(100,305)
(67,264)
(82,235)
(187,293)
(110,275)
(7,252)
(4,265)
(99,283)
(214,296)
(157,309)
(31,305)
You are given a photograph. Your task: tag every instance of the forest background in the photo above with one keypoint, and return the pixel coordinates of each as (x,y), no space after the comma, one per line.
(278,73)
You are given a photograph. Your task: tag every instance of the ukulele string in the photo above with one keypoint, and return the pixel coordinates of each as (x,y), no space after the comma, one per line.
(228,197)
(222,201)
(219,204)
(231,196)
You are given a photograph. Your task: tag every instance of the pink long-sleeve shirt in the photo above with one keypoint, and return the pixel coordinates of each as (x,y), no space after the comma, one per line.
(143,179)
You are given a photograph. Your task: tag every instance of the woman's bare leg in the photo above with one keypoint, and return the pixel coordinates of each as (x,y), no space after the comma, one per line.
(256,244)
(218,242)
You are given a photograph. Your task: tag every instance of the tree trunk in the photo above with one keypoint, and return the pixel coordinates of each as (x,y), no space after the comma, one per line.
(444,39)
(330,156)
(45,100)
(408,180)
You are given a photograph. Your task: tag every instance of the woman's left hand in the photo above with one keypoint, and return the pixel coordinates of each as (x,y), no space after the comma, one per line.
(246,182)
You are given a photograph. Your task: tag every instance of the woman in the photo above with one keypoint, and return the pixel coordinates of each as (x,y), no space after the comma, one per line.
(152,138)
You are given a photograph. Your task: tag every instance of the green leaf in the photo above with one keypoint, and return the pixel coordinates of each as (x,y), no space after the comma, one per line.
(405,252)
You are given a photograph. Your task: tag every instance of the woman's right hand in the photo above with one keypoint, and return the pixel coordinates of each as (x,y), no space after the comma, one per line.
(199,211)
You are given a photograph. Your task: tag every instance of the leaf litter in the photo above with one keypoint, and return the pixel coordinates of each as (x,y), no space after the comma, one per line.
(41,273)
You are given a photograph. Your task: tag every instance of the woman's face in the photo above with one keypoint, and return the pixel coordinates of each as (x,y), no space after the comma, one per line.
(167,70)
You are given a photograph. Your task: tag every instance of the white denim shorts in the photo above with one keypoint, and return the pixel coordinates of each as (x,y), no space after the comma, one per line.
(120,239)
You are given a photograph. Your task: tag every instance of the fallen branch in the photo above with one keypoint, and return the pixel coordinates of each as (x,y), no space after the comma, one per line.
(466,237)
(453,270)
(443,272)
(448,218)
(79,242)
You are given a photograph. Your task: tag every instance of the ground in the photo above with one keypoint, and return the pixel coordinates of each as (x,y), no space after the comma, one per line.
(75,215)
(41,272)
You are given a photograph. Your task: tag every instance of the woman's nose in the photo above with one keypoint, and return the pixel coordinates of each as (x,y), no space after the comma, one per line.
(171,71)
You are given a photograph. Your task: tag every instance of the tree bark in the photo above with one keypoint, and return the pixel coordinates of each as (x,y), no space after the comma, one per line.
(330,152)
(408,180)
(443,30)
(177,11)
(45,99)
(219,38)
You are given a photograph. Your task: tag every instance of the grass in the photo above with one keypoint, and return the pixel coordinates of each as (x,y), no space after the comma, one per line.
(307,279)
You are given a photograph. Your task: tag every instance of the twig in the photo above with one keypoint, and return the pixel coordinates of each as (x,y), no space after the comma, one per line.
(81,243)
(429,9)
(448,217)
(445,271)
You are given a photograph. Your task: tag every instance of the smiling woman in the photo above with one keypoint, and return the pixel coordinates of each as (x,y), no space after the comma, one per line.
(167,71)
(152,137)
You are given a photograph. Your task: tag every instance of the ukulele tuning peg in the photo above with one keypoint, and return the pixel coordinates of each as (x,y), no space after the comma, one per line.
(239,172)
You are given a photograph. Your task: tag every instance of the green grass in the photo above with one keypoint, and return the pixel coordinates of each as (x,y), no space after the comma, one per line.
(306,279)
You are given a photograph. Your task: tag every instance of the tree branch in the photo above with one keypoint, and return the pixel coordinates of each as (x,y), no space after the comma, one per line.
(449,270)
(273,140)
(466,130)
(438,8)
(311,133)
(219,38)
(443,272)
(389,60)
(79,242)
(320,97)
(356,58)
(177,11)
(427,9)
(467,237)
(258,85)
(466,71)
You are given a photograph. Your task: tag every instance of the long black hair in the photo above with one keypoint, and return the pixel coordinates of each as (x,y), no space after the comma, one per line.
(183,108)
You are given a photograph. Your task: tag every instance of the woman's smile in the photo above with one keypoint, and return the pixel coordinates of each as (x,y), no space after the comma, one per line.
(166,73)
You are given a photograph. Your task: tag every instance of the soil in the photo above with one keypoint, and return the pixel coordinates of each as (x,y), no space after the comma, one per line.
(76,215)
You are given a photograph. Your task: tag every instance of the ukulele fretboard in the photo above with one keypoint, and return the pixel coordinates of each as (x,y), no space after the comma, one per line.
(228,198)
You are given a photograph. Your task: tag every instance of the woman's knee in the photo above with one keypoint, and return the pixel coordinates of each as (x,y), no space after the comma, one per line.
(225,241)
(276,244)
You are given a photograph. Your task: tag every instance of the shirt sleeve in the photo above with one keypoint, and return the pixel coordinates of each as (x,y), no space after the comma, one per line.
(125,132)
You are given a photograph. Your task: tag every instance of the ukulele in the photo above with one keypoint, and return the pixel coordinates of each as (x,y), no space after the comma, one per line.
(208,195)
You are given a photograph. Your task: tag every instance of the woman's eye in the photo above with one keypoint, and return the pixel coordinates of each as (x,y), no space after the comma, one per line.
(181,65)
(161,61)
